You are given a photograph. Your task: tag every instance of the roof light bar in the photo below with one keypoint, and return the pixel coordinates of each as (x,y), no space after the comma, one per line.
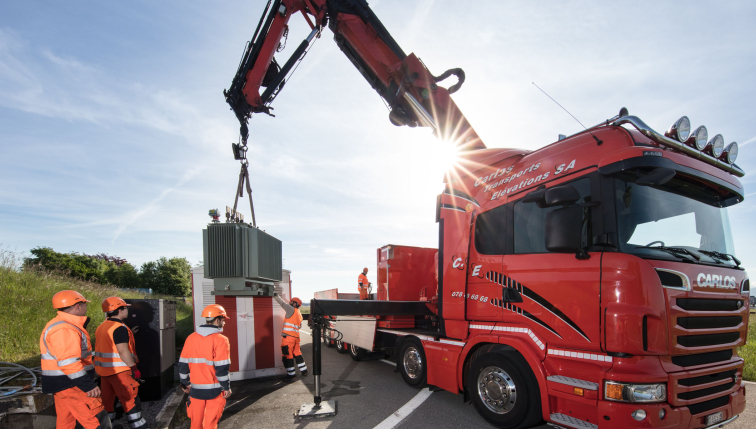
(698,138)
(715,146)
(668,142)
(730,153)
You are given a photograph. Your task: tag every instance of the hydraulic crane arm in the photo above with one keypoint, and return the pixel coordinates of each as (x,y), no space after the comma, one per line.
(403,81)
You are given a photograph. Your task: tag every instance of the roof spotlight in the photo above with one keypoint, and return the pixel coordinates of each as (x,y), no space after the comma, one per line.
(698,138)
(730,153)
(715,146)
(680,130)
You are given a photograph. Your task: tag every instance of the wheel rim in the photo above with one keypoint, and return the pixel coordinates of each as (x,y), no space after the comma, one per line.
(497,390)
(412,362)
(353,349)
(340,345)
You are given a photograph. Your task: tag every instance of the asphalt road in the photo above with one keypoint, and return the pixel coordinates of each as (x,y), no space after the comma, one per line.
(369,394)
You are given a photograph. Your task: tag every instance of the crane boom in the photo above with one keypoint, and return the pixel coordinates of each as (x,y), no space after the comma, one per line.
(408,87)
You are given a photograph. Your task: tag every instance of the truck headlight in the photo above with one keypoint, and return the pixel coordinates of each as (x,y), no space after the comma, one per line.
(680,130)
(628,392)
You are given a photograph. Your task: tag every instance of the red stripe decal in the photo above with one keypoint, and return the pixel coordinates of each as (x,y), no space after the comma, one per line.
(264,354)
(230,330)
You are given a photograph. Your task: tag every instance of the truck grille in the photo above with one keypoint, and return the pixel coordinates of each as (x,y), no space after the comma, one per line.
(702,327)
(705,389)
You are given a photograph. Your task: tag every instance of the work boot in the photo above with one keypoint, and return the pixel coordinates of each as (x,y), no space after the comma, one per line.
(304,373)
(291,377)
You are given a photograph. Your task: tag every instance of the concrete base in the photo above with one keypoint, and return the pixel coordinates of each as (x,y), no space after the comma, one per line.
(326,409)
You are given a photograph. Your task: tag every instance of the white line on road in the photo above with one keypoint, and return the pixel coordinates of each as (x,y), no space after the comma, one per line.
(388,362)
(305,332)
(405,411)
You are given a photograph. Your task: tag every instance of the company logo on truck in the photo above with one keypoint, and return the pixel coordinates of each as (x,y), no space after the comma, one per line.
(492,183)
(717,281)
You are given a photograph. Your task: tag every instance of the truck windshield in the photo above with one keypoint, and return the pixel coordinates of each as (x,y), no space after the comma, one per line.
(657,223)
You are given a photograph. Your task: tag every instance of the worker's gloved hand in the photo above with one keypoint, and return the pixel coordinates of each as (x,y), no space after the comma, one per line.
(185,388)
(136,373)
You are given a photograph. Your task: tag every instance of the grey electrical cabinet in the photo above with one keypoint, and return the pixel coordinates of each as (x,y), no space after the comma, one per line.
(242,259)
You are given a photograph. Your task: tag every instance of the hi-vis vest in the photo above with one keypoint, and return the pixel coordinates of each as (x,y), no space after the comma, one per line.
(292,324)
(66,353)
(107,361)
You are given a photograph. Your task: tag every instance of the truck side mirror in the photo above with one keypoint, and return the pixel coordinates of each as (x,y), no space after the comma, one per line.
(560,196)
(563,230)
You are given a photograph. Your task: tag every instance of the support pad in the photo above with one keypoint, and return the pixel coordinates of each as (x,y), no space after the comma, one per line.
(326,409)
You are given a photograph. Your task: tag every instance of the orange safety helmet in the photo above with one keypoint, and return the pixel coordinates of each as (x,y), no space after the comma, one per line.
(365,269)
(213,311)
(298,301)
(113,303)
(67,298)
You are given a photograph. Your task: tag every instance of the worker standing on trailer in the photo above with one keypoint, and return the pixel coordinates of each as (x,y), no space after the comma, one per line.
(115,362)
(290,344)
(363,284)
(203,369)
(67,370)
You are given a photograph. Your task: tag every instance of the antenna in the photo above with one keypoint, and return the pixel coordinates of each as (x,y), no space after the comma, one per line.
(573,117)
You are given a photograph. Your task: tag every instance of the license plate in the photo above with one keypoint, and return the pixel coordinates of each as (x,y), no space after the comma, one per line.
(714,418)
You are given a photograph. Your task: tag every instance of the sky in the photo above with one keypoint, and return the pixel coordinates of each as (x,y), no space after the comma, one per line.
(115,136)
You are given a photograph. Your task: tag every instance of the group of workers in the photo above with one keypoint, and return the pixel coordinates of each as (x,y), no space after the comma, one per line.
(69,365)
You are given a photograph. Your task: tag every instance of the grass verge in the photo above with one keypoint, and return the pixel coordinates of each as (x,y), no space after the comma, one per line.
(748,351)
(25,299)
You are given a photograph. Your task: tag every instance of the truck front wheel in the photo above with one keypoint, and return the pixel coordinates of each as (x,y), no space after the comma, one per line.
(357,353)
(411,362)
(504,390)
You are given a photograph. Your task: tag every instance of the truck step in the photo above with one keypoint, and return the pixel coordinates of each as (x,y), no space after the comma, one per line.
(571,422)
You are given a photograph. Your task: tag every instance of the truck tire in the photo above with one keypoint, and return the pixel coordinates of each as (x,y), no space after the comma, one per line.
(504,390)
(357,353)
(341,347)
(411,362)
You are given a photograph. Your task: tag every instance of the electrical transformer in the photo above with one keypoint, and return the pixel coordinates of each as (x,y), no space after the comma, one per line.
(242,260)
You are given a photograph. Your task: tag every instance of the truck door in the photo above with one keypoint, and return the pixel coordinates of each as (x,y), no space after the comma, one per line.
(484,274)
(559,292)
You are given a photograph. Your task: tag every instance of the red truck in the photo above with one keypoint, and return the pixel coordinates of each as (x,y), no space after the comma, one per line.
(590,283)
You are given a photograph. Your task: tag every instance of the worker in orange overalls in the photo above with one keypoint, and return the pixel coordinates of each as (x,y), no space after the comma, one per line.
(290,344)
(67,370)
(203,369)
(363,284)
(115,362)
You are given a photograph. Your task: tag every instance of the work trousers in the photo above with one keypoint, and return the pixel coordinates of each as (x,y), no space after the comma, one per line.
(363,294)
(72,405)
(205,414)
(123,386)
(290,352)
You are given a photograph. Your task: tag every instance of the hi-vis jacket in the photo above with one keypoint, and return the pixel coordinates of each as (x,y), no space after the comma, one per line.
(204,363)
(293,320)
(66,351)
(362,282)
(107,361)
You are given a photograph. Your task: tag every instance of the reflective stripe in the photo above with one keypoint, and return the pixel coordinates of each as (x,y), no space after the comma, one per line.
(78,374)
(290,369)
(84,347)
(196,360)
(112,416)
(109,364)
(183,376)
(65,362)
(89,368)
(222,378)
(138,423)
(47,356)
(223,362)
(206,386)
(107,355)
(291,325)
(86,354)
(301,364)
(52,372)
(134,416)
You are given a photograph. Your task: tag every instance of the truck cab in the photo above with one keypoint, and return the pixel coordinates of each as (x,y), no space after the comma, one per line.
(606,262)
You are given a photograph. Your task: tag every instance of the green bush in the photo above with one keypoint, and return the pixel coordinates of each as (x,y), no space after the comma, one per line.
(167,276)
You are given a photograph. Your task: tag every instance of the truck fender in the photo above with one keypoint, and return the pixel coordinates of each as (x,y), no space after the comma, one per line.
(511,343)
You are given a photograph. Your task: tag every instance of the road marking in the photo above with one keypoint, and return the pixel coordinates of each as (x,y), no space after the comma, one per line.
(305,332)
(405,411)
(388,362)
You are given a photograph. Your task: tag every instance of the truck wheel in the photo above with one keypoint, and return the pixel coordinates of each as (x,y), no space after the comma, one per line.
(411,362)
(504,390)
(357,353)
(341,347)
